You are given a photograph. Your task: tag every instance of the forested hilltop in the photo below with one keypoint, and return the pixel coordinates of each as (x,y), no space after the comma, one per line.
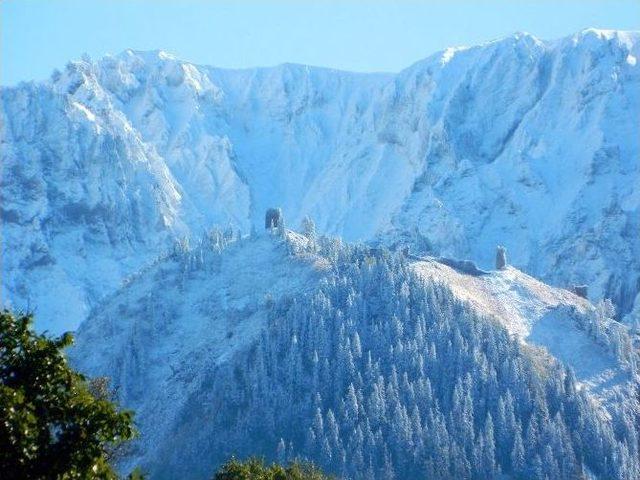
(302,346)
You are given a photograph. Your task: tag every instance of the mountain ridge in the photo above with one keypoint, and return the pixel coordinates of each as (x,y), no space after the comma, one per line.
(628,35)
(455,157)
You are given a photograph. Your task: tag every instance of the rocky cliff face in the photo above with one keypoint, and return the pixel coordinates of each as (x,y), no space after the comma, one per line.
(529,144)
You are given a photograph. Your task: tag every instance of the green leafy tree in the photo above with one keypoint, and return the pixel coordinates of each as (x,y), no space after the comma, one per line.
(256,469)
(52,424)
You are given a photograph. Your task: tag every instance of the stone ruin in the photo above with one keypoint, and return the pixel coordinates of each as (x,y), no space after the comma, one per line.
(463,266)
(580,290)
(273,219)
(501,258)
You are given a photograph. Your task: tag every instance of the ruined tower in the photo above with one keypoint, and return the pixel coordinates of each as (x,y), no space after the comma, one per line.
(273,218)
(501,258)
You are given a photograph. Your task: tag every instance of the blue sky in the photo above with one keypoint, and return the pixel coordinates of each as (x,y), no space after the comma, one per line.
(38,36)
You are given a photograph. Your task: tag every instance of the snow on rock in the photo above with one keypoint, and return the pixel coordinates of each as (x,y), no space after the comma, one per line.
(529,144)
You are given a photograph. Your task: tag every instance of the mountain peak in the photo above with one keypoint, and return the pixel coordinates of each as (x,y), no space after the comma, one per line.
(147,55)
(630,39)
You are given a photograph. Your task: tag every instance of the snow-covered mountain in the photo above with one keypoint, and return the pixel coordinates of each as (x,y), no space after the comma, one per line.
(520,142)
(367,362)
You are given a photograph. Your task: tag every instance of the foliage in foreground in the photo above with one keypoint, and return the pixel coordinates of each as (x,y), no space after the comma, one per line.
(53,425)
(255,469)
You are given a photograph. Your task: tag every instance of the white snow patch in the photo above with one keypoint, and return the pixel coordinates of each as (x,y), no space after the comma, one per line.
(162,55)
(87,113)
(447,55)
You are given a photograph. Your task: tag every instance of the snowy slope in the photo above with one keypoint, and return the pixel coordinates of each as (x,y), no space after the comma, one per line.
(159,336)
(162,336)
(552,319)
(520,142)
